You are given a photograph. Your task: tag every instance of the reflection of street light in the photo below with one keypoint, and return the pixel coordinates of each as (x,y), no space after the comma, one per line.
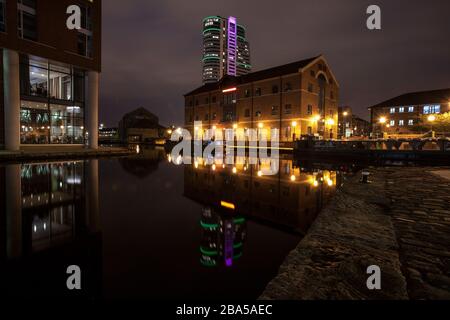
(431,119)
(235,126)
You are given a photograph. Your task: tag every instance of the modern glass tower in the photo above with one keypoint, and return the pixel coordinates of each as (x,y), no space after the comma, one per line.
(225,49)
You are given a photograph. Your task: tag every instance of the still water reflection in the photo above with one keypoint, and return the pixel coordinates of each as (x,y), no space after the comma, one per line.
(144,227)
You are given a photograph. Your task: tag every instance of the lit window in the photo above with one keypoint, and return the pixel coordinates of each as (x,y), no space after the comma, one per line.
(392,110)
(410,122)
(401,109)
(392,123)
(411,109)
(401,122)
(431,109)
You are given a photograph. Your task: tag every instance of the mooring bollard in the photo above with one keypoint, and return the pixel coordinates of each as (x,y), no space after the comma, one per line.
(365,176)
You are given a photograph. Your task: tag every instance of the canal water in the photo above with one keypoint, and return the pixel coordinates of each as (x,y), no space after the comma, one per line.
(145,227)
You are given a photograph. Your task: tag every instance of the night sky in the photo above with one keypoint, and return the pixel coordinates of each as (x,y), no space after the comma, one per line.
(152,49)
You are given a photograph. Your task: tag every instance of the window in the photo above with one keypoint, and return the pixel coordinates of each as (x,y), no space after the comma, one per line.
(207,101)
(431,109)
(392,123)
(247,93)
(206,117)
(196,102)
(274,89)
(401,109)
(274,110)
(214,99)
(392,110)
(288,109)
(35,123)
(27,22)
(247,113)
(310,109)
(2,16)
(258,92)
(331,95)
(410,109)
(85,33)
(288,87)
(312,73)
(66,124)
(258,114)
(39,78)
(310,87)
(401,122)
(214,116)
(410,122)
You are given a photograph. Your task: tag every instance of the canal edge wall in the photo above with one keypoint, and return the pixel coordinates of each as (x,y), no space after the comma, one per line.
(354,231)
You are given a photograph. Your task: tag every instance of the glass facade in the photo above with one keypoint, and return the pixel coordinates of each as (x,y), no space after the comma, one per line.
(52,102)
(27,22)
(2,16)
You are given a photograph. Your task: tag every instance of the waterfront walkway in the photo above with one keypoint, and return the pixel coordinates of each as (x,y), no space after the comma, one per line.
(400,222)
(58,153)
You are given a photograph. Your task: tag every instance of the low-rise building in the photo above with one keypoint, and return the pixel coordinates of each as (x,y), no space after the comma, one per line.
(140,126)
(408,114)
(296,99)
(350,125)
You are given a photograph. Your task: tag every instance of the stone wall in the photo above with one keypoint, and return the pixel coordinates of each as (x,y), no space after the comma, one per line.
(400,222)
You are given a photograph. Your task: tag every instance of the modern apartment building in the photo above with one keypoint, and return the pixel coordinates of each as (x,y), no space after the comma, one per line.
(226,50)
(295,99)
(48,73)
(408,113)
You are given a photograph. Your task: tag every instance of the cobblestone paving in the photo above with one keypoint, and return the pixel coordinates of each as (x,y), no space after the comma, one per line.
(420,208)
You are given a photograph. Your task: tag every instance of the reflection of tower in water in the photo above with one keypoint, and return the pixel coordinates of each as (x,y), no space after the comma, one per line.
(223,237)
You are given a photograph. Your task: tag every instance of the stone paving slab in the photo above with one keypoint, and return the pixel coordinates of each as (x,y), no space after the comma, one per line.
(442,173)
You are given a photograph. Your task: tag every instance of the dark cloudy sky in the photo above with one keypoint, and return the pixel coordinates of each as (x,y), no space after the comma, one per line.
(152,48)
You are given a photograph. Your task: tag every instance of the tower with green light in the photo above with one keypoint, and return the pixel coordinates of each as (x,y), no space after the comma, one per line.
(226,50)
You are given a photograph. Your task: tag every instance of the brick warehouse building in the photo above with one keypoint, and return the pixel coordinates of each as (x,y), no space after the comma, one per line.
(407,113)
(49,74)
(297,99)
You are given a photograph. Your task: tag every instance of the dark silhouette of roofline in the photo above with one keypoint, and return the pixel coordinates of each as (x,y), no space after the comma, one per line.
(273,72)
(418,97)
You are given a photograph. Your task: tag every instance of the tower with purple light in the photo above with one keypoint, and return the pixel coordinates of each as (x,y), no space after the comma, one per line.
(226,50)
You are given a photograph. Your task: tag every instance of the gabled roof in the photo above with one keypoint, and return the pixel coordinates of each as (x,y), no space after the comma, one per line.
(227,80)
(417,98)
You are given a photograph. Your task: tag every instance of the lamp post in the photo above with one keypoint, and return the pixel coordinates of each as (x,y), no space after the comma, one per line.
(431,119)
(382,121)
(294,125)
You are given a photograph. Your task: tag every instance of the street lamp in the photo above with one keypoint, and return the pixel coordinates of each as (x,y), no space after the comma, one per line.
(382,121)
(431,119)
(294,125)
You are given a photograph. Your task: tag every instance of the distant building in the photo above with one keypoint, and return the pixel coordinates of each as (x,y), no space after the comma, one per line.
(49,75)
(140,126)
(226,50)
(296,99)
(350,125)
(408,113)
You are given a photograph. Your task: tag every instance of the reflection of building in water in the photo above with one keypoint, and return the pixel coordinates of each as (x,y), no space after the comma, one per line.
(291,198)
(223,236)
(143,163)
(52,218)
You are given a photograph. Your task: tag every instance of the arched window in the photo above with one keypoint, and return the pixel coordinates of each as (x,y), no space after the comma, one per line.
(322,83)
